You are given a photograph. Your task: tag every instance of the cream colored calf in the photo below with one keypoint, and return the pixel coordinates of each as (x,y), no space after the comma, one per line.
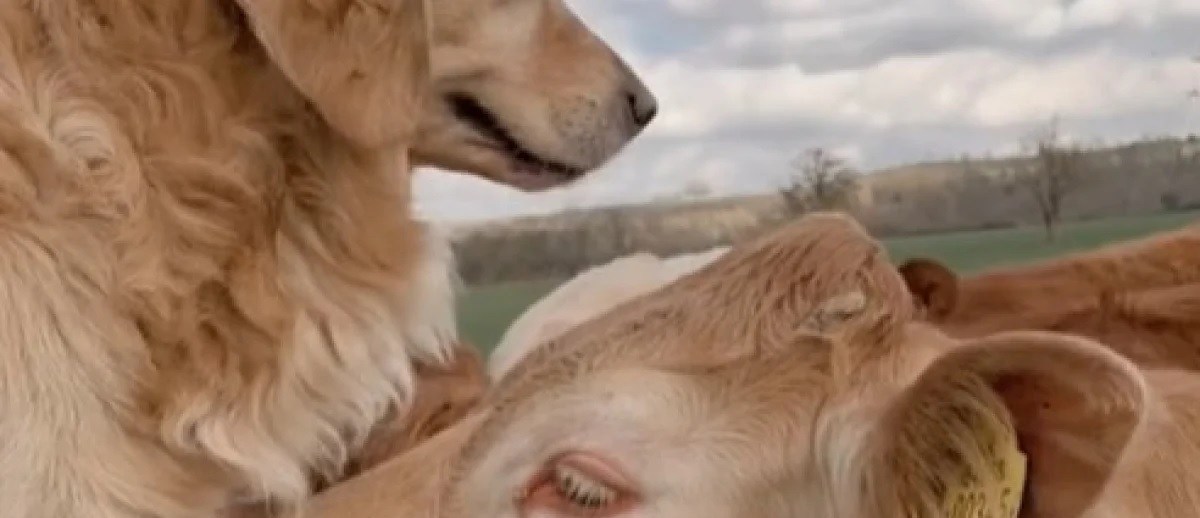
(790,379)
(587,296)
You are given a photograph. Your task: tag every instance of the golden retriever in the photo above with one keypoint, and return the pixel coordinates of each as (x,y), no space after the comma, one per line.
(213,288)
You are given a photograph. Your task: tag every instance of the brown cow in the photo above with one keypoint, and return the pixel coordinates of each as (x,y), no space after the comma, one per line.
(1157,328)
(1142,298)
(1163,260)
(791,379)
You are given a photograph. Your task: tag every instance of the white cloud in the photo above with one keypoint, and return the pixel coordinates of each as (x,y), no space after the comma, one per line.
(963,87)
(696,7)
(1092,86)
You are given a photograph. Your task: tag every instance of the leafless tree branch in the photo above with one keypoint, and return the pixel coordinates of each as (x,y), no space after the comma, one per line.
(820,180)
(1055,173)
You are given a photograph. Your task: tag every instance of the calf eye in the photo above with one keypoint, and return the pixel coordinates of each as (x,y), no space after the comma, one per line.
(578,486)
(581,490)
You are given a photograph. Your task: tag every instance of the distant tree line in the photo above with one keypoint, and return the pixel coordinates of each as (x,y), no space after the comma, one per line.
(1054,181)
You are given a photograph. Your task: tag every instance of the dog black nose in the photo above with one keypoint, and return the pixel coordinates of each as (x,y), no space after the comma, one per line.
(643,106)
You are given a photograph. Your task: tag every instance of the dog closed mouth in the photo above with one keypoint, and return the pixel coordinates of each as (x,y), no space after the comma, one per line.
(528,169)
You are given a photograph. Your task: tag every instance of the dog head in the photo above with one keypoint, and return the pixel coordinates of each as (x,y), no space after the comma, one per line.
(525,94)
(516,91)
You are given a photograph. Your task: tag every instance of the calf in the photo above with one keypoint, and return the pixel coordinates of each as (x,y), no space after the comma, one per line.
(791,379)
(968,306)
(588,295)
(1156,328)
(1150,319)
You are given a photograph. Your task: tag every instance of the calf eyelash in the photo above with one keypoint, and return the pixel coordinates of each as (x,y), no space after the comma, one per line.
(582,490)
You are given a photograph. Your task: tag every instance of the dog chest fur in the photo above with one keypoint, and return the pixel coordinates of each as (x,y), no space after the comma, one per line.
(209,292)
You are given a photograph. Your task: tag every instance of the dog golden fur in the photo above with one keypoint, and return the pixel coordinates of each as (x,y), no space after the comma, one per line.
(445,395)
(213,287)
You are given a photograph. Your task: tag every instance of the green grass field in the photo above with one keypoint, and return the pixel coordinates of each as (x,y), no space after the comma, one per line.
(485,312)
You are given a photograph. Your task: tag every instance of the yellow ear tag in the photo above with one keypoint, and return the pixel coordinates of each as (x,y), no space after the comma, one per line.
(1001,496)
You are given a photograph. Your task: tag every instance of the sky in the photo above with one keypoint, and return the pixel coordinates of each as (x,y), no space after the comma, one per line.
(745,85)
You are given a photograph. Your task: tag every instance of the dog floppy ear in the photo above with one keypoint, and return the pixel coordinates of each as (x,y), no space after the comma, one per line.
(933,285)
(364,64)
(1040,414)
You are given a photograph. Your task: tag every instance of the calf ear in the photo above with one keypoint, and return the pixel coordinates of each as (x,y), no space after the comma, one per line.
(445,395)
(410,485)
(933,285)
(1070,404)
(364,64)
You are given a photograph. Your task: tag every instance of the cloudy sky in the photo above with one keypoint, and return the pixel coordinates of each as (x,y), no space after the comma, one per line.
(746,84)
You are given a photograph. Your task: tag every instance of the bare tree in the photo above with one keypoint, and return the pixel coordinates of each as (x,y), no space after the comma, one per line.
(696,189)
(820,180)
(1186,159)
(1054,173)
(1194,93)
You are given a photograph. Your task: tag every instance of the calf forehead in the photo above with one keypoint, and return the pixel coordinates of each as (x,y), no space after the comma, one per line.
(725,438)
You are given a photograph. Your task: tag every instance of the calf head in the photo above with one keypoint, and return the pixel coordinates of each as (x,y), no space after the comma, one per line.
(836,404)
(1025,421)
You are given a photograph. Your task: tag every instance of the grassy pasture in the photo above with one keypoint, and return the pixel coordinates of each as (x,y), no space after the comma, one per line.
(485,312)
